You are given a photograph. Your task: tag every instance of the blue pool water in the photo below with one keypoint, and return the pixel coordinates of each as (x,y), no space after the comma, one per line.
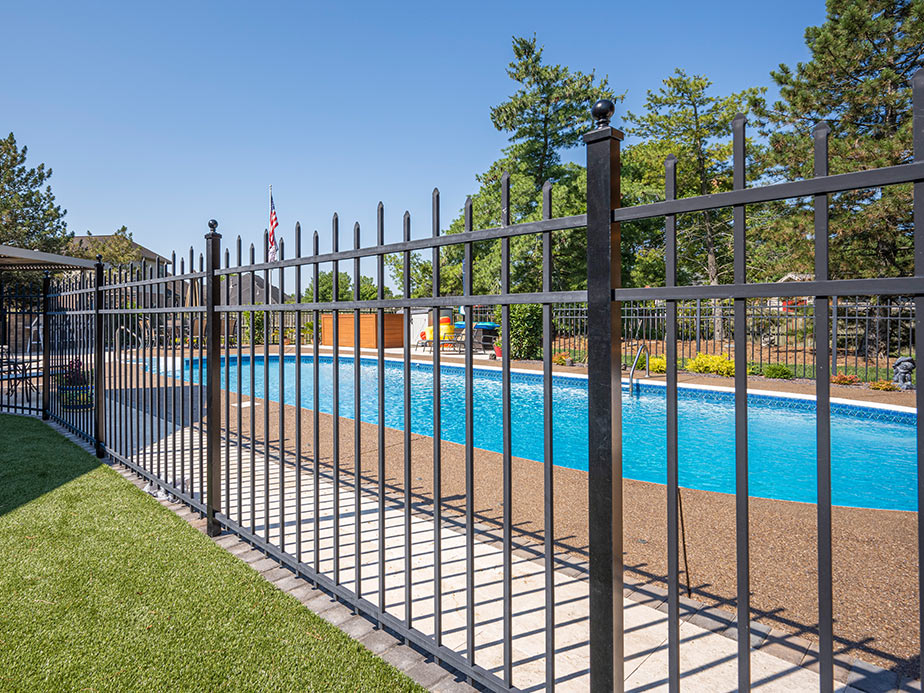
(873,451)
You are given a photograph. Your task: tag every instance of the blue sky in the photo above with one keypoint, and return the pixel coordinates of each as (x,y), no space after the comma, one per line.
(163,115)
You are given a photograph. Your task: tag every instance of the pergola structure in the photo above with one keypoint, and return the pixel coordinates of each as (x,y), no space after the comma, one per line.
(13,259)
(18,259)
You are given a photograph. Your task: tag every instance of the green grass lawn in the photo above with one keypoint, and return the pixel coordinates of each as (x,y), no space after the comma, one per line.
(103,589)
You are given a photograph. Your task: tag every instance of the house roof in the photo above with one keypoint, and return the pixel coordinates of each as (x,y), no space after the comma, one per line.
(89,241)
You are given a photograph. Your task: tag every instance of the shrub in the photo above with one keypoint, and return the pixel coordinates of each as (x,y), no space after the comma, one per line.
(845,379)
(253,327)
(525,330)
(657,364)
(717,364)
(561,358)
(779,371)
(884,385)
(753,368)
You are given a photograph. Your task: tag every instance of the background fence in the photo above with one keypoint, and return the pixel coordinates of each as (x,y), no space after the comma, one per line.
(868,333)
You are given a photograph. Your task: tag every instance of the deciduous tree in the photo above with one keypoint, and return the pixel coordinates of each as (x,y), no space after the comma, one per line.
(116,249)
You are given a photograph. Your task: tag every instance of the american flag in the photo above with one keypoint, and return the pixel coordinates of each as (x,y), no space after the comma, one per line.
(272,230)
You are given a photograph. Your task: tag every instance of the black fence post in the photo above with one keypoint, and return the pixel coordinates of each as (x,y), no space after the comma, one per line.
(2,314)
(46,348)
(604,389)
(99,408)
(212,380)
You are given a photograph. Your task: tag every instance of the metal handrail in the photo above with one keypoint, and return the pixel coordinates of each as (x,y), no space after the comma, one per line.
(643,347)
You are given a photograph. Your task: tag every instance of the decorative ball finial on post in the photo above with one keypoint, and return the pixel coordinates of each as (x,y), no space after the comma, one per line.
(99,258)
(602,111)
(213,225)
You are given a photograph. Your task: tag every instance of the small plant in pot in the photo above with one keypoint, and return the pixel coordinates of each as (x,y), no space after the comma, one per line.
(75,387)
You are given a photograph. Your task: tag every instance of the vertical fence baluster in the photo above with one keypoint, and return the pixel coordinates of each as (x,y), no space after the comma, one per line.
(225,317)
(282,399)
(407,453)
(469,446)
(335,331)
(298,394)
(316,406)
(142,367)
(158,374)
(673,489)
(267,335)
(547,457)
(741,418)
(174,387)
(252,326)
(506,443)
(201,364)
(357,424)
(240,387)
(437,348)
(380,366)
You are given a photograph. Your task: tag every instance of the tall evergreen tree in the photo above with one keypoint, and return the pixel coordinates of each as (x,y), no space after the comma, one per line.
(682,118)
(29,217)
(548,113)
(858,80)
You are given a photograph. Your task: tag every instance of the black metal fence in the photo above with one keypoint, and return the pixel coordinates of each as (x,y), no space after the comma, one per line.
(346,471)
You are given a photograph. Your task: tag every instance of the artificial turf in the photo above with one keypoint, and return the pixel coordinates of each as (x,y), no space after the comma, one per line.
(104,589)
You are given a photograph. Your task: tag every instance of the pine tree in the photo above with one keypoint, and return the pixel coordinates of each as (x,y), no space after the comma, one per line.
(858,80)
(549,112)
(682,118)
(29,217)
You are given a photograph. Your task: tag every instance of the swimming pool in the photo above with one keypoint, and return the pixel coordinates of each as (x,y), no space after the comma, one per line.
(873,449)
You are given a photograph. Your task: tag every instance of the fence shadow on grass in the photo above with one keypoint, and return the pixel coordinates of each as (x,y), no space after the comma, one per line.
(34,460)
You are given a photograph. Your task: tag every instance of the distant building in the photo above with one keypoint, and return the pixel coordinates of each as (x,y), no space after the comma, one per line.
(87,242)
(229,295)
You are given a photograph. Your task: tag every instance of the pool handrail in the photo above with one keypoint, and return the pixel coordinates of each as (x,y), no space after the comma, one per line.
(642,347)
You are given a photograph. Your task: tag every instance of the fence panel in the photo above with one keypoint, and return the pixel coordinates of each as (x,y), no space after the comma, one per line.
(21,345)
